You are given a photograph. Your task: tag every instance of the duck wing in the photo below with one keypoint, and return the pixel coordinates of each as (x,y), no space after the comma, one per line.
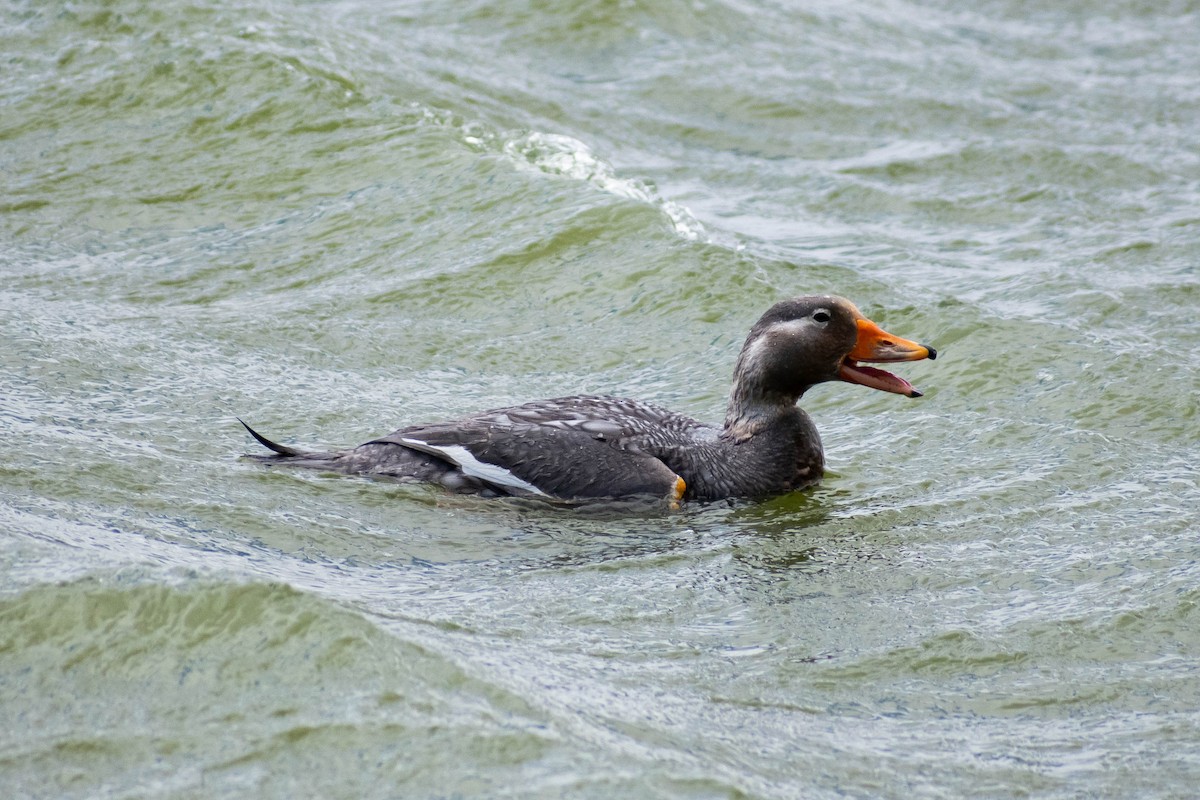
(568,448)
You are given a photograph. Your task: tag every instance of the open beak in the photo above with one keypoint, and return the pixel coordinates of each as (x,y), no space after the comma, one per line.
(877,345)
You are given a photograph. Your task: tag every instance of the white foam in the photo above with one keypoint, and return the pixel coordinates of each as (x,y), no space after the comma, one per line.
(556,154)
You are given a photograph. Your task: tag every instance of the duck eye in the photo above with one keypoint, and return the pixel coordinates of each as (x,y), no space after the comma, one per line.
(821,315)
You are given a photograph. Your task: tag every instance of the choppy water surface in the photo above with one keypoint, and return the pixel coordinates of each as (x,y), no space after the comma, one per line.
(336,218)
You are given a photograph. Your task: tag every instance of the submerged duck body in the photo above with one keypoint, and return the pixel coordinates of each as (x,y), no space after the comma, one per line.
(590,447)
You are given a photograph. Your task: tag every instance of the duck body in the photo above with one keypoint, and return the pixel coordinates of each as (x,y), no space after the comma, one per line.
(591,447)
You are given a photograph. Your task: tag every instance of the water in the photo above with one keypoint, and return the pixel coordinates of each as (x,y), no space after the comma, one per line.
(337,218)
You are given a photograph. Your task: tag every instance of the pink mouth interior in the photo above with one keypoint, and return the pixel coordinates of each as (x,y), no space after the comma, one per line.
(882,380)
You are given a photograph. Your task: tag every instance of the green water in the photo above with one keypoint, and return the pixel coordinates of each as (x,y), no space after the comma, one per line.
(336,218)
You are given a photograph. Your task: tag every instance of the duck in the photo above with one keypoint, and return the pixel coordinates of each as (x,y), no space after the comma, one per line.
(600,447)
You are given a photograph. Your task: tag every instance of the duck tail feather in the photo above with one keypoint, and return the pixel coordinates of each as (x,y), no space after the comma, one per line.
(274,447)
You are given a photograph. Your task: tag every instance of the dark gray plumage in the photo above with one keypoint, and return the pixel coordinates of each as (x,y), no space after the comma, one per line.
(592,447)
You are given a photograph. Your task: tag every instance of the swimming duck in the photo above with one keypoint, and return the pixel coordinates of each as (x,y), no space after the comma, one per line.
(592,447)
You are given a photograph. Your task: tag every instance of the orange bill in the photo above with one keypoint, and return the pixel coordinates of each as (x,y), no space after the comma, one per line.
(877,345)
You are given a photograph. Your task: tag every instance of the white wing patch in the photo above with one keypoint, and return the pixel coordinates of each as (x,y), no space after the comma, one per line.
(470,465)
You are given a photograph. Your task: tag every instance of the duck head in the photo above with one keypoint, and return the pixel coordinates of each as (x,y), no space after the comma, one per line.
(804,341)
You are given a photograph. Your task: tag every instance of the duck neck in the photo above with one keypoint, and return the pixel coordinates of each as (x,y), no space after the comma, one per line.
(752,409)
